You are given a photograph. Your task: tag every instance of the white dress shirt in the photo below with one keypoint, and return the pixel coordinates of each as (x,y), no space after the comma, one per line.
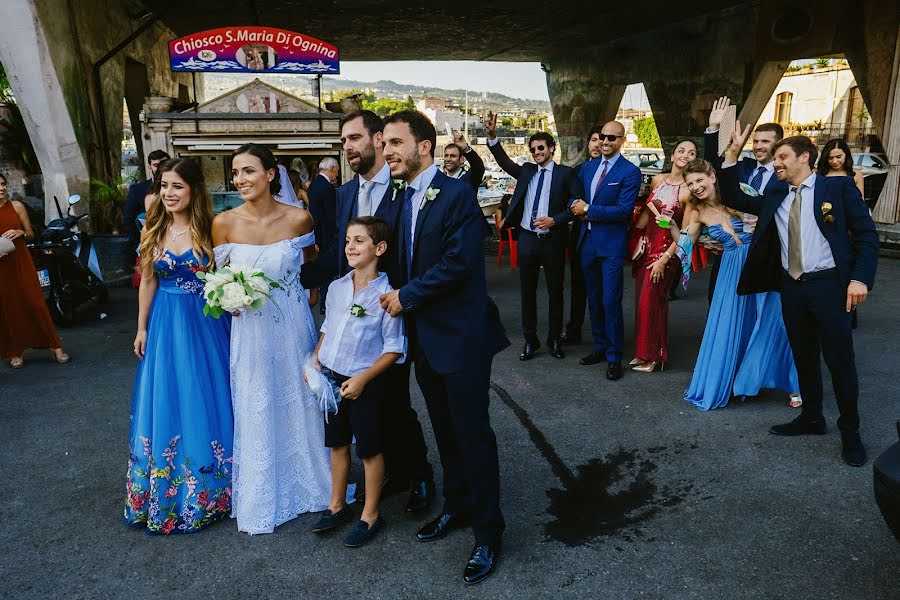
(817,254)
(378,188)
(543,201)
(353,344)
(420,184)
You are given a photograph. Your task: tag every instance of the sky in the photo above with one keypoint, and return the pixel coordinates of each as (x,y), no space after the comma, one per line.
(516,79)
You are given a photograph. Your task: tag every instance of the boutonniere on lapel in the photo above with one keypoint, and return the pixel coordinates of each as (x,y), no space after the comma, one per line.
(398,185)
(826,208)
(430,194)
(357,310)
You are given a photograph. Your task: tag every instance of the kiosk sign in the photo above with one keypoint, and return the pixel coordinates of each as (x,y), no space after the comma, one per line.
(253,50)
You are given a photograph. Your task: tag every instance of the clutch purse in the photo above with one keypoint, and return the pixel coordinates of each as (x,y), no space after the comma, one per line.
(640,247)
(6,246)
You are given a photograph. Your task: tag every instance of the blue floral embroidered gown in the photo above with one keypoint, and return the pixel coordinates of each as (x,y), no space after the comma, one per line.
(179,467)
(728,327)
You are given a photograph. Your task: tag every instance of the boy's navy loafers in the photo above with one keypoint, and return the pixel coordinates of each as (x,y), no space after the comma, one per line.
(329,521)
(362,534)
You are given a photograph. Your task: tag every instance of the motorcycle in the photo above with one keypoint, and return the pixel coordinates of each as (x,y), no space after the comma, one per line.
(67,268)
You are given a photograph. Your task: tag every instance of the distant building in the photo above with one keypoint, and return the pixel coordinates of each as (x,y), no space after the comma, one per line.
(440,114)
(822,102)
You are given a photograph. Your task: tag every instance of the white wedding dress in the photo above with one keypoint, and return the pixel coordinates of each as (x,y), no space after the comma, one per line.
(281,464)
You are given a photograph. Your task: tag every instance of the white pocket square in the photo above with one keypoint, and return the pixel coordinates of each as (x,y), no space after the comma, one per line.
(612,183)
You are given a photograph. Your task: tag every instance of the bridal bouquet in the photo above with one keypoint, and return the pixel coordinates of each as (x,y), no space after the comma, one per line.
(235,288)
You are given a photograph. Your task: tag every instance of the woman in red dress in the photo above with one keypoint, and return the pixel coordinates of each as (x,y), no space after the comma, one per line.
(655,270)
(24,319)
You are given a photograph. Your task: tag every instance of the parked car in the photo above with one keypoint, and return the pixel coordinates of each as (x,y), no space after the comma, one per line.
(870,163)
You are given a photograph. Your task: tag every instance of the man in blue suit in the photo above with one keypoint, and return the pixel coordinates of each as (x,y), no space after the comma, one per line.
(370,193)
(454,331)
(456,154)
(611,185)
(757,172)
(134,205)
(817,245)
(539,207)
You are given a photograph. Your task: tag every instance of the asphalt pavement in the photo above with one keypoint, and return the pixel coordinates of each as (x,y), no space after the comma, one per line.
(610,489)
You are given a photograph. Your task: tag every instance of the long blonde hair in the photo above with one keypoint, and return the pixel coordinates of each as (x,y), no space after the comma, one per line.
(200,215)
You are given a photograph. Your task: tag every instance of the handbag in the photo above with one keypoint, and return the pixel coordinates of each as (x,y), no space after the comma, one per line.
(640,246)
(6,246)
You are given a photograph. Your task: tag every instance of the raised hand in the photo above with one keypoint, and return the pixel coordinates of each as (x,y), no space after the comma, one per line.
(490,125)
(718,112)
(460,140)
(738,139)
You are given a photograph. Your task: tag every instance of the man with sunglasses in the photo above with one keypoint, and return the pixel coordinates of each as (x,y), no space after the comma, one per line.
(539,204)
(611,187)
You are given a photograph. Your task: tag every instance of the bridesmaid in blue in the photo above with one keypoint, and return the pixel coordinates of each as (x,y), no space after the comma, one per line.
(180,440)
(731,317)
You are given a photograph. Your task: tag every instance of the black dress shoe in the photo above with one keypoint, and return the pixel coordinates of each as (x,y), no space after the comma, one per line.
(331,520)
(614,371)
(420,496)
(442,525)
(800,426)
(593,358)
(556,349)
(481,563)
(853,451)
(529,349)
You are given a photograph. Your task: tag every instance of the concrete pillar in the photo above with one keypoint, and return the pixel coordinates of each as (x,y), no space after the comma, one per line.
(39,93)
(887,209)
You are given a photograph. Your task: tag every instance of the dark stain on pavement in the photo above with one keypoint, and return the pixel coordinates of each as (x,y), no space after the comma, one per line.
(604,497)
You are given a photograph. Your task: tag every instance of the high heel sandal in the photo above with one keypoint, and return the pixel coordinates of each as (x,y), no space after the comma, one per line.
(796,401)
(635,361)
(17,362)
(648,367)
(60,356)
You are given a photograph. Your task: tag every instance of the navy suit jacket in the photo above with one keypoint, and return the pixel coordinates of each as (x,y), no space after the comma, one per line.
(322,206)
(449,316)
(610,208)
(134,205)
(476,169)
(564,189)
(851,235)
(746,166)
(389,211)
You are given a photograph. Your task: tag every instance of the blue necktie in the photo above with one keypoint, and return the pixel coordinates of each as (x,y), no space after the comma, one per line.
(407,226)
(756,182)
(537,198)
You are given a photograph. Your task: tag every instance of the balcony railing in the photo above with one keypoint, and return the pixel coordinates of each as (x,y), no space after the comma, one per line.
(856,136)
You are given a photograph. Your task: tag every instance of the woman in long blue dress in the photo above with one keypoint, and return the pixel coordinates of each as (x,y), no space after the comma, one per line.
(744,345)
(180,440)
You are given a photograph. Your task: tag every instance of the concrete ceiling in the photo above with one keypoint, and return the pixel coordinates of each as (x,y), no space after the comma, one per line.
(502,30)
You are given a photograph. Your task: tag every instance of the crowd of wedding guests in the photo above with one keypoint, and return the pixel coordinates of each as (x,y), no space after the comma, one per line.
(225,419)
(790,242)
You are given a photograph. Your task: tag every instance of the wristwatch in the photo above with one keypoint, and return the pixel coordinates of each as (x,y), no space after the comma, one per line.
(584,212)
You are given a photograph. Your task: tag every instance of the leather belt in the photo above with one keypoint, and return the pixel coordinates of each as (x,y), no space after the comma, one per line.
(814,275)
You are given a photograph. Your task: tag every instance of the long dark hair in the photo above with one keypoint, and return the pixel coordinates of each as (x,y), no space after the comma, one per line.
(267,159)
(836,144)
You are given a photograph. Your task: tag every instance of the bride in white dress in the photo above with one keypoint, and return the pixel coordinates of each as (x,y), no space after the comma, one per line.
(281,465)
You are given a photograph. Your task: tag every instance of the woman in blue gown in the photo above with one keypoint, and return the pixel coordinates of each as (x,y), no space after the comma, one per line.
(180,439)
(744,345)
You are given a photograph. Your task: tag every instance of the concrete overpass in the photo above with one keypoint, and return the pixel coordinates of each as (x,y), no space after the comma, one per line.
(685,53)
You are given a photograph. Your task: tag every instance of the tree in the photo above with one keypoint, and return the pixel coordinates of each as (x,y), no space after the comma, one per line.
(15,143)
(385,106)
(648,136)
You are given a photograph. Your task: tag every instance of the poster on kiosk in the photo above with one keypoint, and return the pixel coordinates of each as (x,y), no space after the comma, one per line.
(249,49)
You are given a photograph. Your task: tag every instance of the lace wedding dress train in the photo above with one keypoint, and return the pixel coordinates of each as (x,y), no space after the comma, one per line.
(281,464)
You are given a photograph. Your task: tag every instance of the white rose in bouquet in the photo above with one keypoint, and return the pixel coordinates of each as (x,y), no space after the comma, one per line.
(235,288)
(232,297)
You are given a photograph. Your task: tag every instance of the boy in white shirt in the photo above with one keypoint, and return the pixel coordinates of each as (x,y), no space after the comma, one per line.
(359,341)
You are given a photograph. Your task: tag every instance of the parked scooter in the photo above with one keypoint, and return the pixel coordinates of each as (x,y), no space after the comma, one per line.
(68,269)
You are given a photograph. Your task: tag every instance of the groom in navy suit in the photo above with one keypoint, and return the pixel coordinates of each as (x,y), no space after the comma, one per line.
(454,331)
(817,245)
(611,185)
(370,193)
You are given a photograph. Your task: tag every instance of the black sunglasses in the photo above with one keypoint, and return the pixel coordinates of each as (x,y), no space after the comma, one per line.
(609,137)
(538,148)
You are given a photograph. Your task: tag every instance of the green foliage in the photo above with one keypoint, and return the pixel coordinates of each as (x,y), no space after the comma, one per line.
(821,63)
(385,106)
(15,143)
(648,136)
(107,204)
(338,95)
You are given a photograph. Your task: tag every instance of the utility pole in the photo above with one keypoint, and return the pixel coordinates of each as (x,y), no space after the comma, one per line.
(466,117)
